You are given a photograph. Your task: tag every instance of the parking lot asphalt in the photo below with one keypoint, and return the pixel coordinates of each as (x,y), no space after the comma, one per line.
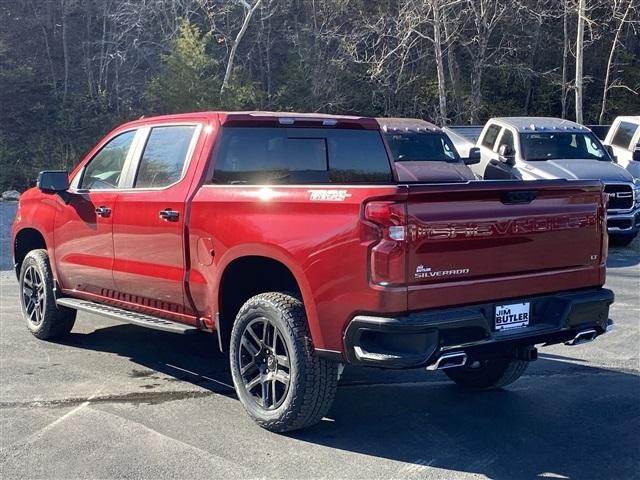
(118,401)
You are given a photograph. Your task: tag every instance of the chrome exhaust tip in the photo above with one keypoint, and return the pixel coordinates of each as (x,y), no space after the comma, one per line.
(449,360)
(584,336)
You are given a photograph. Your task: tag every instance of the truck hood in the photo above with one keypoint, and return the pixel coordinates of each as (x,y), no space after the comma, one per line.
(427,171)
(577,169)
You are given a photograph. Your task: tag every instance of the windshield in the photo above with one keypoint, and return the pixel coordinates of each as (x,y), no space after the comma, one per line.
(564,145)
(421,147)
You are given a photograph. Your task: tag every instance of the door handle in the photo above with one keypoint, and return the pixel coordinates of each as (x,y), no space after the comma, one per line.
(169,215)
(103,211)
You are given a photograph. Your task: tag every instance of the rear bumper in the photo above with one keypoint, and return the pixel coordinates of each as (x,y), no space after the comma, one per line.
(418,339)
(624,223)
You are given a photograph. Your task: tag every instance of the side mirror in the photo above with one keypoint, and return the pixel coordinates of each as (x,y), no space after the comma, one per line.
(53,181)
(474,156)
(636,154)
(609,150)
(507,155)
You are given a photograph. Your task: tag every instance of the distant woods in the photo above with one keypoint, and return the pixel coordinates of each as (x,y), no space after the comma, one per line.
(72,69)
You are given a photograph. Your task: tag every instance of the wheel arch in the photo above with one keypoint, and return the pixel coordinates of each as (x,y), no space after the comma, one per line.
(26,240)
(250,274)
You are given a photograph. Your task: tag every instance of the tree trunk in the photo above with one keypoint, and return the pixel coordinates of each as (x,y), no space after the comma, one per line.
(579,57)
(247,18)
(532,63)
(476,92)
(47,48)
(605,89)
(452,65)
(437,45)
(565,58)
(65,53)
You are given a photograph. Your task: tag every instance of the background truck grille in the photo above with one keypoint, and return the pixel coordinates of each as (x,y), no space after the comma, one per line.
(620,196)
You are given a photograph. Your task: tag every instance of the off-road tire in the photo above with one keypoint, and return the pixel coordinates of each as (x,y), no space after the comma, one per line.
(51,321)
(492,374)
(312,380)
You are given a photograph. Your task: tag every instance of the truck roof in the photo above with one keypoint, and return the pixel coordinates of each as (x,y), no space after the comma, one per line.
(629,118)
(540,124)
(406,124)
(263,117)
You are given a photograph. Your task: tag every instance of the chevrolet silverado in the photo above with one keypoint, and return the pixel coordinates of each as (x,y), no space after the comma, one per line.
(291,239)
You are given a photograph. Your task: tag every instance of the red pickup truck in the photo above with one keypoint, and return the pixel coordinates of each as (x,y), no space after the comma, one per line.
(291,238)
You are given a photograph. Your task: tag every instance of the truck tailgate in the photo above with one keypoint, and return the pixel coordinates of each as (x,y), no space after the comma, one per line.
(489,240)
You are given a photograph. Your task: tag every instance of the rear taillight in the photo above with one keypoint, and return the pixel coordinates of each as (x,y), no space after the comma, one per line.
(388,255)
(604,252)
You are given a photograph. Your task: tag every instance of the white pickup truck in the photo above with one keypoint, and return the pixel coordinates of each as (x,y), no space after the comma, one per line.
(624,139)
(535,148)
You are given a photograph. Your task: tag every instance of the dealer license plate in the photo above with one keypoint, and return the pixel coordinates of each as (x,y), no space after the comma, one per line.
(515,315)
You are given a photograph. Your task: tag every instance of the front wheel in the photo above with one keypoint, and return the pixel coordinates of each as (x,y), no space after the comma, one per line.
(45,320)
(489,374)
(282,385)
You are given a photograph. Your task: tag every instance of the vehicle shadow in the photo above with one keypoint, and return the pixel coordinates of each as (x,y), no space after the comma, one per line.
(190,358)
(620,257)
(561,419)
(627,256)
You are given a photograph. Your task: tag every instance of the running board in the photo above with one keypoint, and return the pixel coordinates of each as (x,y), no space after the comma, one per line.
(127,316)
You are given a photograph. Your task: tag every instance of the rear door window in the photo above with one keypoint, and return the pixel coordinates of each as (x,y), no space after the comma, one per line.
(259,155)
(490,136)
(624,134)
(164,156)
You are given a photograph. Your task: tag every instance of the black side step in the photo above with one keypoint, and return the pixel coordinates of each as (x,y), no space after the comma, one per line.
(127,316)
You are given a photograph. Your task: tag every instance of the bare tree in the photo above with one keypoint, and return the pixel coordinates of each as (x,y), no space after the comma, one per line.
(436,9)
(622,14)
(452,63)
(579,59)
(393,49)
(248,13)
(485,17)
(65,49)
(565,59)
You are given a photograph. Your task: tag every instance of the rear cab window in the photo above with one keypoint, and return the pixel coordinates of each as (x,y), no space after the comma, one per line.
(507,140)
(280,155)
(624,135)
(490,136)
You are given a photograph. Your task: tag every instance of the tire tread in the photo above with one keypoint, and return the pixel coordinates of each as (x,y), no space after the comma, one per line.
(56,321)
(317,388)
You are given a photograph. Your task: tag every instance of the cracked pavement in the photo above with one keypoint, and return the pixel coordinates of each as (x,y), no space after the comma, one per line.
(119,401)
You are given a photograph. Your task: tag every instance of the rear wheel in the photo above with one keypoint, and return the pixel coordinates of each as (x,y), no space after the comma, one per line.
(282,385)
(490,374)
(45,319)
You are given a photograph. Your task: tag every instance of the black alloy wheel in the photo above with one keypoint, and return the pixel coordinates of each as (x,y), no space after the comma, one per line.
(264,363)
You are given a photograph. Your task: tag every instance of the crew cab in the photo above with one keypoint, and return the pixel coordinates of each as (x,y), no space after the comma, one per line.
(623,138)
(532,148)
(290,238)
